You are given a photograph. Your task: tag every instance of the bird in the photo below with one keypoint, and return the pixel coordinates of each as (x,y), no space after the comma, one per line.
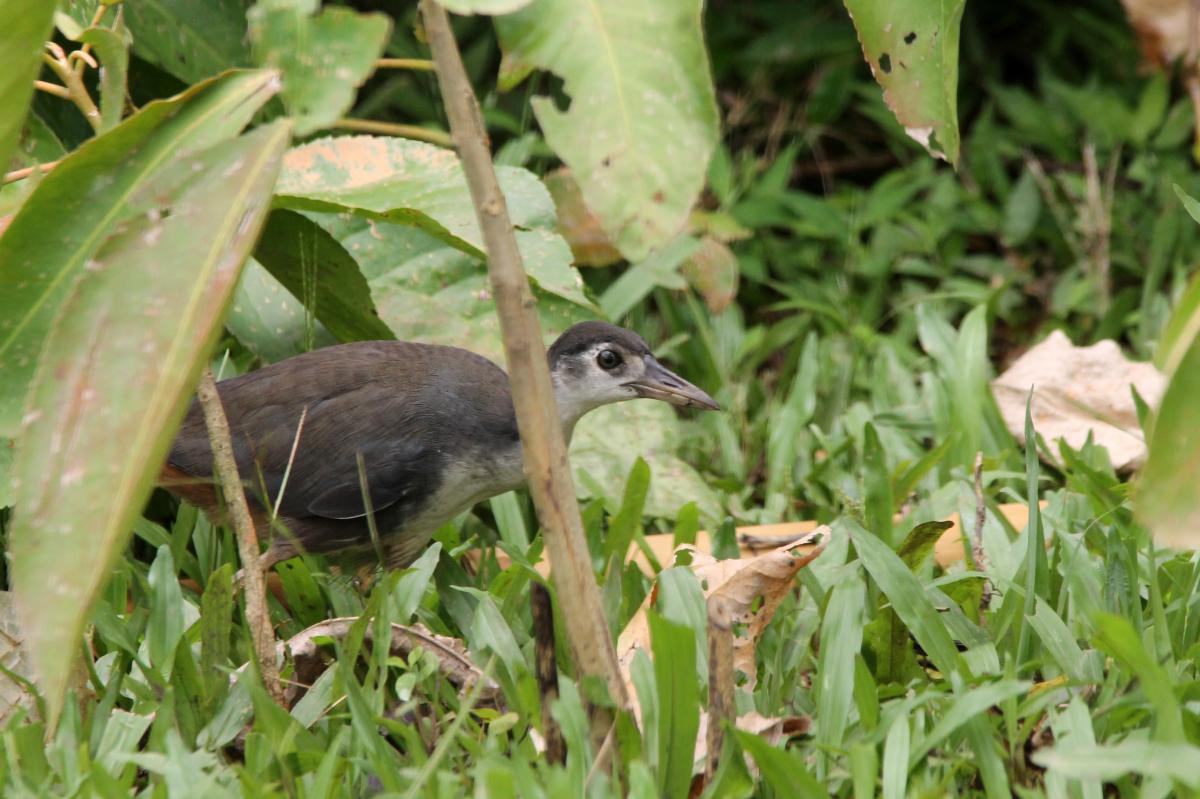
(429,430)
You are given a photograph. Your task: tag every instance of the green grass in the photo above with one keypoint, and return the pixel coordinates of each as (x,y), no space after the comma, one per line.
(878,294)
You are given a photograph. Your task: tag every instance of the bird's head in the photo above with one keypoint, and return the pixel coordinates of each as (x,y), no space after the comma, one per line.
(595,363)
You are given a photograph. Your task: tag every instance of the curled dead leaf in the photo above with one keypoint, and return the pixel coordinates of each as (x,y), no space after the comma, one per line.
(748,591)
(1077,391)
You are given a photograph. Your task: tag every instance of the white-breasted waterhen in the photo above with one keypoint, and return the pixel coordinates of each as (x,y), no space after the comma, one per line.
(433,427)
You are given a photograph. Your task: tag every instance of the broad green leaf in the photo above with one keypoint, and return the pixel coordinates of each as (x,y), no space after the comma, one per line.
(323,57)
(912,49)
(117,371)
(1185,320)
(1166,498)
(269,320)
(642,120)
(907,597)
(674,648)
(895,758)
(26,27)
(410,588)
(165,627)
(404,181)
(76,206)
(37,144)
(190,39)
(427,291)
(841,640)
(784,771)
(607,442)
(216,625)
(319,272)
(628,519)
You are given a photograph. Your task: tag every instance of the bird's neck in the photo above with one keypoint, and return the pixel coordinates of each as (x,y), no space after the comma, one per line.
(571,407)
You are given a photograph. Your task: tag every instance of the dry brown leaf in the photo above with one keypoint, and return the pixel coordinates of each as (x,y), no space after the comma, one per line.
(741,583)
(1162,28)
(590,245)
(1080,390)
(773,729)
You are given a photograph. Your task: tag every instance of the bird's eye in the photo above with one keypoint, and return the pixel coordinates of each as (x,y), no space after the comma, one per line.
(608,359)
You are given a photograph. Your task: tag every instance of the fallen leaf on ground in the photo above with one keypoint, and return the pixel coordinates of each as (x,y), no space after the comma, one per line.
(752,590)
(1077,391)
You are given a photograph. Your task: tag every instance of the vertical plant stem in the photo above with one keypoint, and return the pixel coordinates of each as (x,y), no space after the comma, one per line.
(978,555)
(76,91)
(721,707)
(546,668)
(542,443)
(235,500)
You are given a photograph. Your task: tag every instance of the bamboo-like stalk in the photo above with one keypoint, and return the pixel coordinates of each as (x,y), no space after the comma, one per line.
(257,616)
(721,707)
(545,666)
(542,441)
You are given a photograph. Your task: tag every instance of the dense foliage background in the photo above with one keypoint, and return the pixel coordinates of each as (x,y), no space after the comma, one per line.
(843,295)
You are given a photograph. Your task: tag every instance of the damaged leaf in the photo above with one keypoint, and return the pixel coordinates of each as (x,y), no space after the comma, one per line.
(751,590)
(912,49)
(641,123)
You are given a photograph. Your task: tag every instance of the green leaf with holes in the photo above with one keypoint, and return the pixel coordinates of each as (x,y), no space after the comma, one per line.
(75,207)
(912,49)
(641,123)
(116,375)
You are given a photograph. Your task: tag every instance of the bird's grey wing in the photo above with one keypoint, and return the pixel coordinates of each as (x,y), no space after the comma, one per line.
(393,473)
(347,404)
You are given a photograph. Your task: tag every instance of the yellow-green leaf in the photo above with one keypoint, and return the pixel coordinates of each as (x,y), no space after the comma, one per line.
(642,120)
(115,377)
(76,206)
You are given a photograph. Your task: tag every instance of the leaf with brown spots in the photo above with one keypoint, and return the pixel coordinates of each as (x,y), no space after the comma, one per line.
(73,209)
(912,49)
(115,376)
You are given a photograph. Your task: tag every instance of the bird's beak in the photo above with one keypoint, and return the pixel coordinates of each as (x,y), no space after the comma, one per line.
(660,383)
